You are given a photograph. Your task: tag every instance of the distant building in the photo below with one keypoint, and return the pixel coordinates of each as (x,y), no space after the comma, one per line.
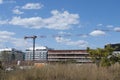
(51,55)
(40,54)
(115,46)
(11,54)
(79,56)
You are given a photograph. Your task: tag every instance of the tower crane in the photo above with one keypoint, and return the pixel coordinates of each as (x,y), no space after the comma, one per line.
(32,37)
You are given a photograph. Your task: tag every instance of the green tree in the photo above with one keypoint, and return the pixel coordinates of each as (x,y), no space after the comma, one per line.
(103,57)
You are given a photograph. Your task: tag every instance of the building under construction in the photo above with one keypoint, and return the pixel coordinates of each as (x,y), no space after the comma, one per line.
(79,56)
(50,55)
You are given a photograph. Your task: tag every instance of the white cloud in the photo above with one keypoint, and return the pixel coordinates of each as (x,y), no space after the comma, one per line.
(61,20)
(109,26)
(99,24)
(97,33)
(20,42)
(61,40)
(64,33)
(3,22)
(58,20)
(117,29)
(1,1)
(6,37)
(33,6)
(34,22)
(2,33)
(17,11)
(79,43)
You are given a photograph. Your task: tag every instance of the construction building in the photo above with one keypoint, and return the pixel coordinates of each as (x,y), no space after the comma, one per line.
(79,56)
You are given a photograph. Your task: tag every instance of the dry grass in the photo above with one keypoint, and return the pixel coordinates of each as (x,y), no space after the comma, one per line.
(67,72)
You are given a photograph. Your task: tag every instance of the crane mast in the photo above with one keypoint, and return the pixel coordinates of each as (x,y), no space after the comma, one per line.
(33,37)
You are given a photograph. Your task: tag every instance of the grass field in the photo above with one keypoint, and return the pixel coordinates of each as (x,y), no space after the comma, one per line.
(65,72)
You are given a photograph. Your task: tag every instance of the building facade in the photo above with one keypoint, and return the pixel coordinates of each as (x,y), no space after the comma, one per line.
(115,46)
(11,54)
(40,54)
(79,56)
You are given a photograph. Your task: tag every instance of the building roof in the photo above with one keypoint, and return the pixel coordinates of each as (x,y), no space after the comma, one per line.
(67,51)
(37,48)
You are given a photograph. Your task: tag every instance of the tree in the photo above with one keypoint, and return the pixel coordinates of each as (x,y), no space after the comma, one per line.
(103,57)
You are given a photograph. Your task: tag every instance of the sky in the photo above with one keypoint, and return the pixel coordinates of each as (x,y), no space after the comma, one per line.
(59,24)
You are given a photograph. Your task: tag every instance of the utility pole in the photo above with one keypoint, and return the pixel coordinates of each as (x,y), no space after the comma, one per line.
(33,37)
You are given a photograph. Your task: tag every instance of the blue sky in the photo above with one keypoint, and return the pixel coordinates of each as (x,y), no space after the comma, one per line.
(65,24)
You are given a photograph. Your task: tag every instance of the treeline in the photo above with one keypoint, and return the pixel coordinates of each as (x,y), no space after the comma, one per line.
(104,56)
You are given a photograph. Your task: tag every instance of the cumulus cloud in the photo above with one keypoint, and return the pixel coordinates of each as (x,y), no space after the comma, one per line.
(33,6)
(6,33)
(20,42)
(97,33)
(34,22)
(58,20)
(117,29)
(80,43)
(7,37)
(17,11)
